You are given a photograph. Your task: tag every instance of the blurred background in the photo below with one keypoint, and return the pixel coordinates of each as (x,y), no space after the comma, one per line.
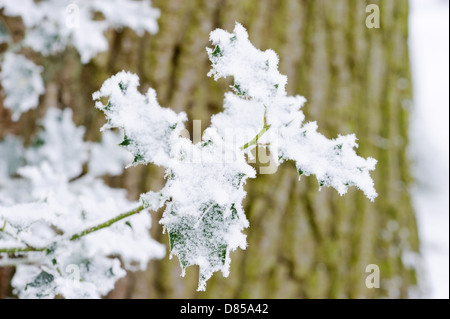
(388,85)
(429,131)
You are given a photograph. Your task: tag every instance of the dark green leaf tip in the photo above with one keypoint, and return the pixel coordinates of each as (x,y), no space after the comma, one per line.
(217,52)
(129,224)
(123,87)
(138,158)
(108,106)
(126,141)
(206,143)
(43,279)
(239,91)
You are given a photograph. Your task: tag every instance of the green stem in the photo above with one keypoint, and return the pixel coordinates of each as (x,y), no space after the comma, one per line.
(77,235)
(21,250)
(254,141)
(107,223)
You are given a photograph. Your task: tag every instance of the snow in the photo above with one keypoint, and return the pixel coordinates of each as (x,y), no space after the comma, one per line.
(204,191)
(24,9)
(45,198)
(52,26)
(429,45)
(60,144)
(255,72)
(12,157)
(205,217)
(240,121)
(137,15)
(260,94)
(22,82)
(106,158)
(149,129)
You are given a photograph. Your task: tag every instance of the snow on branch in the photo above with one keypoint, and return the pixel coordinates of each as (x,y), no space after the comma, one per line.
(149,130)
(66,221)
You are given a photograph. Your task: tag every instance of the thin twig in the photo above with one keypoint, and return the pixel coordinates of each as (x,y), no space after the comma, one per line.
(254,141)
(77,235)
(107,223)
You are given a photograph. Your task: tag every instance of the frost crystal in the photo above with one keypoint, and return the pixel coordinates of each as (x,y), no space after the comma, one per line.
(149,129)
(60,139)
(204,217)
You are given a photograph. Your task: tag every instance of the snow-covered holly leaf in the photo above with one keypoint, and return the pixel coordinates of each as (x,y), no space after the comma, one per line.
(204,241)
(150,130)
(139,16)
(204,216)
(22,82)
(75,279)
(60,143)
(260,94)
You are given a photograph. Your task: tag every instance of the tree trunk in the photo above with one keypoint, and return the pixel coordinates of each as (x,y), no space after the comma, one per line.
(302,243)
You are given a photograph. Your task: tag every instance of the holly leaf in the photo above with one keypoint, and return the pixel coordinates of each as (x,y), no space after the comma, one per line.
(204,240)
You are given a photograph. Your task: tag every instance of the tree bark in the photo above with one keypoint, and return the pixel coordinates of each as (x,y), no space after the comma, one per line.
(302,242)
